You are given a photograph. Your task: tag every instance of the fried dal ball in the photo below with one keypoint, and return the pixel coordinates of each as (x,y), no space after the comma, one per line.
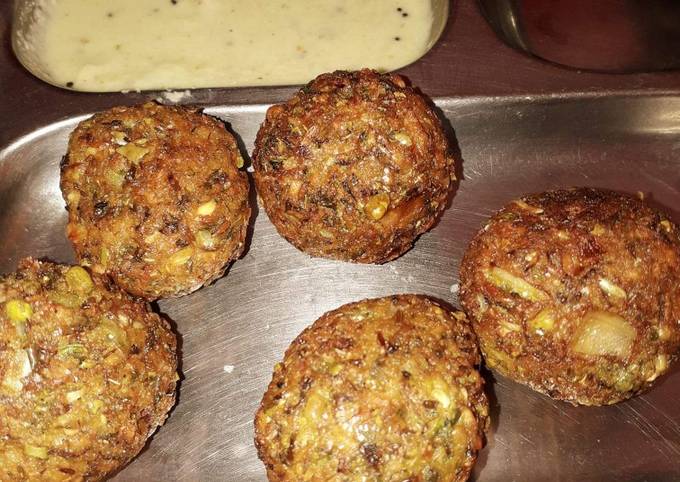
(354,167)
(576,293)
(155,198)
(87,374)
(383,389)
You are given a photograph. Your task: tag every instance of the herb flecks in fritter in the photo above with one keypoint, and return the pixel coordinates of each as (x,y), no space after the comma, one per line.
(155,198)
(576,293)
(354,167)
(382,389)
(87,374)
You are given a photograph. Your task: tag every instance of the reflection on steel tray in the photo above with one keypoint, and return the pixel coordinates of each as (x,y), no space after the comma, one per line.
(233,332)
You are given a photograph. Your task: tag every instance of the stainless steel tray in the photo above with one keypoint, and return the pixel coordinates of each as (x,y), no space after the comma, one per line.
(233,332)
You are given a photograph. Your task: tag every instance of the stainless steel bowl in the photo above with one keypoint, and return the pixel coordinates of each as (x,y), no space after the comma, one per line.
(604,35)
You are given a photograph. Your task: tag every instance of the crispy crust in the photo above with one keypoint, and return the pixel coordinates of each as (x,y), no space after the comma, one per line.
(155,198)
(354,167)
(586,251)
(382,389)
(85,379)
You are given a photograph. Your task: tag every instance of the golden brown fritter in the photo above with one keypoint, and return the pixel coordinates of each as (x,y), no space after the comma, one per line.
(383,389)
(87,374)
(155,198)
(576,293)
(354,167)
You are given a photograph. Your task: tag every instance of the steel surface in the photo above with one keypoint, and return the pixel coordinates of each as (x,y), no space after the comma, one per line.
(233,332)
